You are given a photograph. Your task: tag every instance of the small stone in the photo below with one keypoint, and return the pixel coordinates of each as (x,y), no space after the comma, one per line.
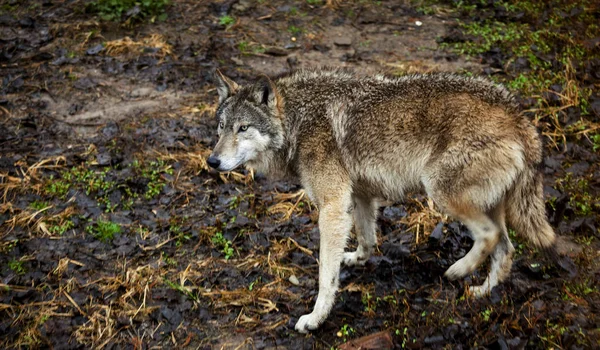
(294,280)
(94,50)
(293,38)
(418,23)
(237,61)
(142,92)
(343,41)
(242,5)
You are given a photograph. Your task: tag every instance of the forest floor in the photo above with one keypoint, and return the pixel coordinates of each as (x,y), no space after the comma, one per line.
(115,234)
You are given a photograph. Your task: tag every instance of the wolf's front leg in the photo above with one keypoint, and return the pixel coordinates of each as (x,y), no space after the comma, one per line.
(335,222)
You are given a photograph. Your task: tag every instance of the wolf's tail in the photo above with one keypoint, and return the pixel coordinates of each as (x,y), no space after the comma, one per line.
(526,211)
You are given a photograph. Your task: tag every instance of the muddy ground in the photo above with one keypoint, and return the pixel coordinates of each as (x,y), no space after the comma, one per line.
(114,233)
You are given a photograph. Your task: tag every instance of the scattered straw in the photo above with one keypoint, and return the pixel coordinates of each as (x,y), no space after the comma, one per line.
(422,218)
(410,67)
(154,43)
(287,204)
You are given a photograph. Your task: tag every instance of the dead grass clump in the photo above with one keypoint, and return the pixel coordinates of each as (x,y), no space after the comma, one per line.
(551,116)
(234,176)
(62,267)
(30,179)
(333,4)
(288,204)
(422,217)
(99,329)
(154,43)
(280,251)
(37,221)
(200,109)
(28,318)
(27,219)
(193,161)
(102,319)
(401,68)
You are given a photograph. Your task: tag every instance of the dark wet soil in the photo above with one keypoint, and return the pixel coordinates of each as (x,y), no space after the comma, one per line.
(91,140)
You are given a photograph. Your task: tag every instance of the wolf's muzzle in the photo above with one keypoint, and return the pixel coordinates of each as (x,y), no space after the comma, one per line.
(214,162)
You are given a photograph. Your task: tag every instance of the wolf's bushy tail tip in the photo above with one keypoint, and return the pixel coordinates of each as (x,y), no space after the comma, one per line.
(526,211)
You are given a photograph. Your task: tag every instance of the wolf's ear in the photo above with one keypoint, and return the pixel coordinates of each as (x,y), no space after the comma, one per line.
(225,86)
(264,92)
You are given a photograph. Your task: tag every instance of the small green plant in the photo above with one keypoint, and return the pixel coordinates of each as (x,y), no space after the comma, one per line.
(516,241)
(345,331)
(581,200)
(104,230)
(404,336)
(234,202)
(251,285)
(60,229)
(368,302)
(224,244)
(182,289)
(313,2)
(596,142)
(113,10)
(17,266)
(168,260)
(247,48)
(57,188)
(153,173)
(38,205)
(91,180)
(295,30)
(390,299)
(7,8)
(226,20)
(181,236)
(244,46)
(486,314)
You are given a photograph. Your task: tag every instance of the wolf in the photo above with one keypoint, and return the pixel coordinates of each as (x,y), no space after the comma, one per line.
(354,141)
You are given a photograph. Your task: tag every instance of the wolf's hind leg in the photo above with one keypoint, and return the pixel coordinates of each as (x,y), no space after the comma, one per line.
(501,257)
(365,224)
(486,234)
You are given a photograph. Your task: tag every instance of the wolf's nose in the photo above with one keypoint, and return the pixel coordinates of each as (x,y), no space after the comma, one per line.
(213,162)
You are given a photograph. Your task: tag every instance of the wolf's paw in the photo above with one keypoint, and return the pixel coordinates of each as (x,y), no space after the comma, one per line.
(309,322)
(458,270)
(352,259)
(480,291)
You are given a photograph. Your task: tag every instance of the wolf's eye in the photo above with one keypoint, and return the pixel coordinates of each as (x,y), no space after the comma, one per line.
(221,125)
(243,128)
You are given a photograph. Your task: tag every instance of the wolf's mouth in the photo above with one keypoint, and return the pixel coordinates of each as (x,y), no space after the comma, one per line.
(217,164)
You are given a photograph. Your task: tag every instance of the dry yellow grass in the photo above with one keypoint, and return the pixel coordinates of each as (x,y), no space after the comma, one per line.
(422,218)
(129,47)
(409,67)
(287,204)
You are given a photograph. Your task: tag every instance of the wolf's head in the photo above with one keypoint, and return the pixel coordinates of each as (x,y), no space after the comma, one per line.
(250,124)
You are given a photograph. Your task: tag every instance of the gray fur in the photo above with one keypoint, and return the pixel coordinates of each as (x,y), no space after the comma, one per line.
(361,140)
